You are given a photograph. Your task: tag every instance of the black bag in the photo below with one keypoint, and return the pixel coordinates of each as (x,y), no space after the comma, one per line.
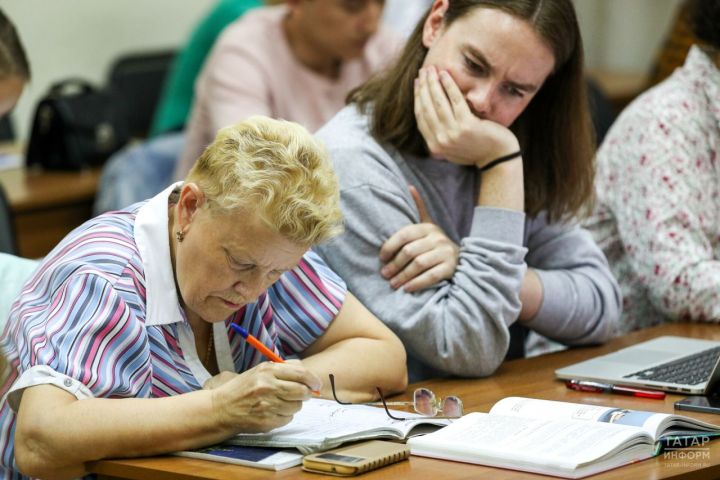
(75,126)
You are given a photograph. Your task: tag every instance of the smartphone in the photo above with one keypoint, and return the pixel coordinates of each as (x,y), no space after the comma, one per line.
(356,459)
(699,403)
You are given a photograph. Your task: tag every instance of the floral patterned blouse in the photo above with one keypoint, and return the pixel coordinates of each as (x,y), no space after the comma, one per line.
(658,212)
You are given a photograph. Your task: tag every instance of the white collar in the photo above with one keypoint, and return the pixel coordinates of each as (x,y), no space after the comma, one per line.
(151,237)
(162,305)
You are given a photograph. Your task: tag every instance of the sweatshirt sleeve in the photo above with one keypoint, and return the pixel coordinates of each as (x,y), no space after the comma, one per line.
(581,298)
(459,326)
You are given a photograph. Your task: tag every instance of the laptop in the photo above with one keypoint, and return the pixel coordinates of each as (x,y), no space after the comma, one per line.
(673,364)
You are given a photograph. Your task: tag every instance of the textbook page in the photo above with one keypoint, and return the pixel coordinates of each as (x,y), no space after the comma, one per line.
(652,423)
(323,424)
(557,447)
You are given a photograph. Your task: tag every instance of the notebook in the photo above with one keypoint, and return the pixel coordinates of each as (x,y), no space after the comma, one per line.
(674,364)
(324,424)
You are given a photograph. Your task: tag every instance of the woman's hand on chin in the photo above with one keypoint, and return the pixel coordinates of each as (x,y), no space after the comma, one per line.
(262,398)
(450,129)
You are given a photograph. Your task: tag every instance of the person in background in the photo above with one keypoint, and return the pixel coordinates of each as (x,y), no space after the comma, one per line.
(14,74)
(658,187)
(177,94)
(14,66)
(401,16)
(130,316)
(140,170)
(484,116)
(295,61)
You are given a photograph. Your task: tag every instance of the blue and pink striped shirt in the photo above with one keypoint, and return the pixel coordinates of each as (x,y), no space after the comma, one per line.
(100,318)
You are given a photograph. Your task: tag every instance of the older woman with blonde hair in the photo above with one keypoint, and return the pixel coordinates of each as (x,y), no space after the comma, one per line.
(121,343)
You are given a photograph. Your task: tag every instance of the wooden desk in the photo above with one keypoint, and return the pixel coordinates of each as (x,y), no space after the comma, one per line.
(528,377)
(46,206)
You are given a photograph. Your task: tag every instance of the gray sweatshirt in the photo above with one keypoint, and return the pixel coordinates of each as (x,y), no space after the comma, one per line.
(459,326)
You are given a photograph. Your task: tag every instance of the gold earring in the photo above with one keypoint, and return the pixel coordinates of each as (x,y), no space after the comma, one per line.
(180,236)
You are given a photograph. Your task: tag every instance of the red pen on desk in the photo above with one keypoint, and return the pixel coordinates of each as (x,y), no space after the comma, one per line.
(597,387)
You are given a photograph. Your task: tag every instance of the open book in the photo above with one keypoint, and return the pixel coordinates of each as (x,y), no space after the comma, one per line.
(563,439)
(324,424)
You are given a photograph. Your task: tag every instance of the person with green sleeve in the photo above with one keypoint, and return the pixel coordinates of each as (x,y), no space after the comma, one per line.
(177,95)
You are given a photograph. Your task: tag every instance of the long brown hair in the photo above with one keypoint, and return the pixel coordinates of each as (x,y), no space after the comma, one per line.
(554,130)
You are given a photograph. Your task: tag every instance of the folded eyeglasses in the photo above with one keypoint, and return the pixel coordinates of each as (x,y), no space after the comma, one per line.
(425,402)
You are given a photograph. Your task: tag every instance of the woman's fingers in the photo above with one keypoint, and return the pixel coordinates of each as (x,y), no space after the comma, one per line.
(437,261)
(419,248)
(425,102)
(295,373)
(456,99)
(420,117)
(395,251)
(440,102)
(264,397)
(429,277)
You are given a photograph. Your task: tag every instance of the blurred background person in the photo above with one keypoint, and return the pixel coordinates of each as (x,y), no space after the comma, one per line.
(14,67)
(295,61)
(658,188)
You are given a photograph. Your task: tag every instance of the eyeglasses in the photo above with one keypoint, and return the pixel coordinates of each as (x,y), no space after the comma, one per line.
(424,402)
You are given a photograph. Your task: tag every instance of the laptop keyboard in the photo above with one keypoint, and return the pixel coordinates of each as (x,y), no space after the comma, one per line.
(690,370)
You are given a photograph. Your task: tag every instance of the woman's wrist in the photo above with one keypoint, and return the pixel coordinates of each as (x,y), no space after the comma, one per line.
(500,149)
(502,159)
(503,186)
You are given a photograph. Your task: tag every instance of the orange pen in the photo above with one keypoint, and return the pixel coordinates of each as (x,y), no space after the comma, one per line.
(260,347)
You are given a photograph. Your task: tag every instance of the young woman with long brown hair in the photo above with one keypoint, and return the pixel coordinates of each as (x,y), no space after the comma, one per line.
(484,116)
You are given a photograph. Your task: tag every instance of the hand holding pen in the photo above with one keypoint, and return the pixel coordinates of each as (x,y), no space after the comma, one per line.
(261,398)
(597,387)
(262,348)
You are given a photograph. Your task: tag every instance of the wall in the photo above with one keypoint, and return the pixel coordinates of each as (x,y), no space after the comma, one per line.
(82,37)
(623,35)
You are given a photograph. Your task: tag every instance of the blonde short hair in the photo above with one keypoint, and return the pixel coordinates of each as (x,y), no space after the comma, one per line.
(276,170)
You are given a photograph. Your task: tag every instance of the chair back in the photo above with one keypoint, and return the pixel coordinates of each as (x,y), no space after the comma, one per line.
(7,133)
(7,229)
(136,80)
